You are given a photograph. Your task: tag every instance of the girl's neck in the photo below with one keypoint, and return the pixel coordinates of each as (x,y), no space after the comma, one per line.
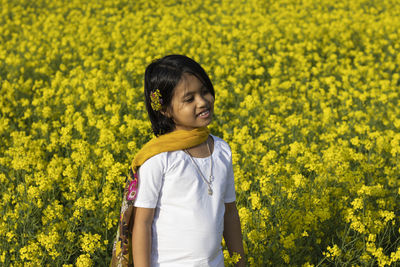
(201,151)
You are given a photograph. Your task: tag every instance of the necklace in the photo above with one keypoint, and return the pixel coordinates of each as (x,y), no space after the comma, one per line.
(208,182)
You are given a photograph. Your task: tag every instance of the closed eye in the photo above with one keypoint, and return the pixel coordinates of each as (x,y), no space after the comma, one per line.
(189,99)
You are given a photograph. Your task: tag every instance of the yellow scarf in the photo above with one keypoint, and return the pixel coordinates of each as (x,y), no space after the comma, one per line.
(176,140)
(180,139)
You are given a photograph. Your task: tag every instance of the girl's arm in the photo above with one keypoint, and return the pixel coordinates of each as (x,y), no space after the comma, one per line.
(233,233)
(141,237)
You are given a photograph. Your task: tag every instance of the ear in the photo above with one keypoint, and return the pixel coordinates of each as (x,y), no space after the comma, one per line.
(166,112)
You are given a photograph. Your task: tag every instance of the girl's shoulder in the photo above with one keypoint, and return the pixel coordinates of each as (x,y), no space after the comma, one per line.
(156,161)
(221,145)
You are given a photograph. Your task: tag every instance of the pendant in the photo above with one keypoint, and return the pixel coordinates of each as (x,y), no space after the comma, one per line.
(210,191)
(211,178)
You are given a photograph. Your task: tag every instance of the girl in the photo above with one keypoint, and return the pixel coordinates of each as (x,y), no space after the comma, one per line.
(181,200)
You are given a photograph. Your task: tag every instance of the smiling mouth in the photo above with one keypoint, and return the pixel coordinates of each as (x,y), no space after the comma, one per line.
(205,113)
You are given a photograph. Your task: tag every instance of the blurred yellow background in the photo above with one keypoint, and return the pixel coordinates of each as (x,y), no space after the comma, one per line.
(307,95)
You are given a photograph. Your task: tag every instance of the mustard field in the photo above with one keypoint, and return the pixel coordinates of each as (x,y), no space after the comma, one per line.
(307,96)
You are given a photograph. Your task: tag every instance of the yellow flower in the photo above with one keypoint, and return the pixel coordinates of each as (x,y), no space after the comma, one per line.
(255,201)
(332,252)
(84,260)
(245,216)
(357,203)
(156,100)
(298,180)
(3,257)
(90,243)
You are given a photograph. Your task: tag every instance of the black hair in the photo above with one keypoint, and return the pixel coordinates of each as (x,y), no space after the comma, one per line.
(164,74)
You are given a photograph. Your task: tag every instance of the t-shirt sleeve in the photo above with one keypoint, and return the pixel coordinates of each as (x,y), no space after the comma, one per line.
(150,181)
(230,195)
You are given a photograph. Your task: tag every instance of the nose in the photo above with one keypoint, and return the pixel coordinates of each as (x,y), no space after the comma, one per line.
(202,100)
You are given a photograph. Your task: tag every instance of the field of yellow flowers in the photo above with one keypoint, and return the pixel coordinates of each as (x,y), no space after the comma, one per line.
(307,95)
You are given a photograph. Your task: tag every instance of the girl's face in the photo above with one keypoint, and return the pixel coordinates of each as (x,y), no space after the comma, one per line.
(192,104)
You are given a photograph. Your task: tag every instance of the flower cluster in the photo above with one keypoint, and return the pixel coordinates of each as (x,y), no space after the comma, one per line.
(156,100)
(307,96)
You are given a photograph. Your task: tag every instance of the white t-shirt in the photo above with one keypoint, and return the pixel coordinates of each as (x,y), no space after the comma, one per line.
(188,222)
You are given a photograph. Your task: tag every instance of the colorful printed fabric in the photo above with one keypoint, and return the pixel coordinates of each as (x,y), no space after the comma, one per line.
(122,250)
